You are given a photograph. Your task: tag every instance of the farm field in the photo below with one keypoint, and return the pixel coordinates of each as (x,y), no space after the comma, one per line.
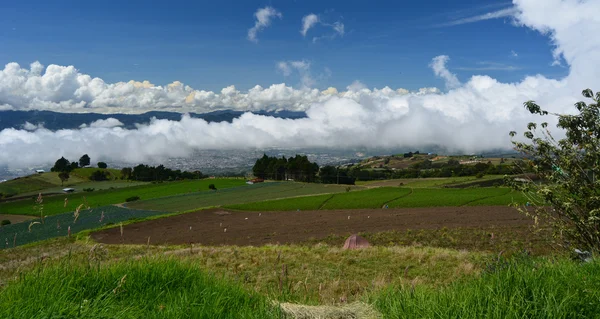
(246,194)
(214,227)
(64,225)
(56,204)
(430,182)
(393,197)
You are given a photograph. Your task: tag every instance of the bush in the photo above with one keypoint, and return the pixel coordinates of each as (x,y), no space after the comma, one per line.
(102,165)
(89,190)
(132,199)
(5,222)
(212,186)
(479,175)
(99,176)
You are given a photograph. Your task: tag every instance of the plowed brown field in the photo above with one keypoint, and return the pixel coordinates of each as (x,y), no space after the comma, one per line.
(223,227)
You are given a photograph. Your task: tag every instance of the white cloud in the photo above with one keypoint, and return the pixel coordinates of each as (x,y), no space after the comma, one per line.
(263,19)
(513,54)
(308,22)
(474,116)
(502,13)
(311,20)
(108,123)
(303,69)
(339,28)
(438,64)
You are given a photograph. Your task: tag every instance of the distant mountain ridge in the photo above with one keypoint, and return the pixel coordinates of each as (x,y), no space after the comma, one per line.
(57,121)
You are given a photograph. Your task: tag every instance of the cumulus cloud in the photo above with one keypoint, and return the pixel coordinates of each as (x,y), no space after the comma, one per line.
(474,116)
(263,19)
(107,123)
(438,64)
(308,22)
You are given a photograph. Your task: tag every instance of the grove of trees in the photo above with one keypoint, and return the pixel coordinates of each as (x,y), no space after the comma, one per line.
(297,168)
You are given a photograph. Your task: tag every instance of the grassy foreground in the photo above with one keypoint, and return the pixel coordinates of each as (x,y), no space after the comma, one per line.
(141,289)
(528,288)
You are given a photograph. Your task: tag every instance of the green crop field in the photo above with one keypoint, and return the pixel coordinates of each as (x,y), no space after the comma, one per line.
(437,197)
(372,198)
(508,198)
(56,204)
(432,182)
(58,225)
(246,194)
(393,197)
(286,204)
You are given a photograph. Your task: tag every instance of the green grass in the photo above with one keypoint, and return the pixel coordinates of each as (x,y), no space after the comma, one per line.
(531,288)
(246,194)
(55,204)
(372,198)
(438,197)
(392,196)
(511,197)
(34,183)
(286,204)
(141,289)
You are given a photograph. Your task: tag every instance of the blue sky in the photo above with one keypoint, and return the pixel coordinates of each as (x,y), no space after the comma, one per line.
(205,44)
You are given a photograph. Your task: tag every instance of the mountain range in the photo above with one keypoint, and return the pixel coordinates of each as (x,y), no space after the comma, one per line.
(57,121)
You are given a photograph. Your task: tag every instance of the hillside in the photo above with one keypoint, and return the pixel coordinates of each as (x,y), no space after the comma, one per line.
(417,159)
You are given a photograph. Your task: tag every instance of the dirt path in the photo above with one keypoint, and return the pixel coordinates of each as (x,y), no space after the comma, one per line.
(223,227)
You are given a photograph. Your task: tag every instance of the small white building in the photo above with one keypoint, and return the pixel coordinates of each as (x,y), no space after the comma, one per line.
(40,171)
(68,190)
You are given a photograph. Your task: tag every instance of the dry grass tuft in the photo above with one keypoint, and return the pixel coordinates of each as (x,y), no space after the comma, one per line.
(354,310)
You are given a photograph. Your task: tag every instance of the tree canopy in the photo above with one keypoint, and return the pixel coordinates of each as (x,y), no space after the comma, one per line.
(570,168)
(84,160)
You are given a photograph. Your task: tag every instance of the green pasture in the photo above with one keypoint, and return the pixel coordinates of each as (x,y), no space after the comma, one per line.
(238,195)
(56,204)
(36,182)
(431,182)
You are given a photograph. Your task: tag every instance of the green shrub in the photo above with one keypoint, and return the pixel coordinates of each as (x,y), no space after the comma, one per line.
(5,222)
(212,186)
(132,199)
(88,189)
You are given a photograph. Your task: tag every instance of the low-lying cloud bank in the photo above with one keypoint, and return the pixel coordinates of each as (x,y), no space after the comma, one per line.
(471,117)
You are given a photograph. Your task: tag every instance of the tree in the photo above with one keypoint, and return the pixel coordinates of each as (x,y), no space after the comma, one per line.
(61,165)
(102,165)
(84,161)
(64,176)
(99,175)
(570,168)
(126,172)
